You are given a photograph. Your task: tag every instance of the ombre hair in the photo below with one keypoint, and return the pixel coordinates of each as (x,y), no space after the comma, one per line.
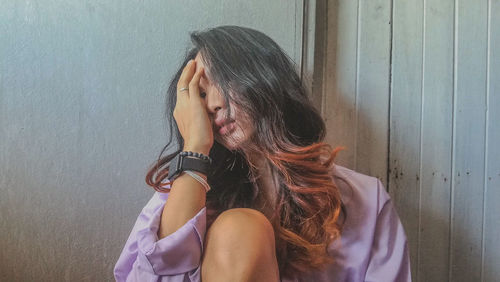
(255,74)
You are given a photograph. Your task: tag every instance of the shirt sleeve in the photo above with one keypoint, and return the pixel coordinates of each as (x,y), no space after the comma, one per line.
(176,254)
(389,257)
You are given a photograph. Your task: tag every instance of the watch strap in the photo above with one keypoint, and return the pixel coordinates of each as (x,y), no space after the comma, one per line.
(188,161)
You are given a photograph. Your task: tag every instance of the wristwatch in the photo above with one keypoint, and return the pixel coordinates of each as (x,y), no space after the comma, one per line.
(187,160)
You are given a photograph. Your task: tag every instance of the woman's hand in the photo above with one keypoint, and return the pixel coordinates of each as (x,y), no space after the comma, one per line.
(190,112)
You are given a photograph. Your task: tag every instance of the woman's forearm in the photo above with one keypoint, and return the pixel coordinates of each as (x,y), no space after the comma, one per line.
(187,197)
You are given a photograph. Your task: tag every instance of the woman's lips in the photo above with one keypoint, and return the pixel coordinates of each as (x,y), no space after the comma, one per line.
(227,128)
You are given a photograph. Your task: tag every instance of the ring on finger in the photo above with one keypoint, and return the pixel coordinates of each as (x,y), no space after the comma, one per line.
(183,89)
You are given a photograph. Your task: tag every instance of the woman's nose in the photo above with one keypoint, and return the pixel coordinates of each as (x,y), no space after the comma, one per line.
(215,102)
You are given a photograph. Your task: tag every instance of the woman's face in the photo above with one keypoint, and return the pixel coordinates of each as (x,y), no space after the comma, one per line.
(230,133)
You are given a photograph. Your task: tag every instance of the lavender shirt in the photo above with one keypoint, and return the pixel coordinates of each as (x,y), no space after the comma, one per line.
(372,247)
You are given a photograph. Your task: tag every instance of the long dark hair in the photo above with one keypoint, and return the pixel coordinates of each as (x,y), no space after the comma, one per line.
(254,73)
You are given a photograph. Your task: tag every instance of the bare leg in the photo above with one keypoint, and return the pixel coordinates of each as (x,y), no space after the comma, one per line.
(240,247)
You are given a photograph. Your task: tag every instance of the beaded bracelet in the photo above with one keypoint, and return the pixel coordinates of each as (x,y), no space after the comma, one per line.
(196,155)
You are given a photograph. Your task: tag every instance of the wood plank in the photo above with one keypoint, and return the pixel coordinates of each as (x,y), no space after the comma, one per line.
(308,42)
(491,249)
(405,116)
(436,141)
(373,88)
(469,140)
(320,38)
(299,40)
(339,106)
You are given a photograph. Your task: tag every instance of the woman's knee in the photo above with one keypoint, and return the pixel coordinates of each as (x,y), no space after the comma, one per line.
(240,246)
(241,229)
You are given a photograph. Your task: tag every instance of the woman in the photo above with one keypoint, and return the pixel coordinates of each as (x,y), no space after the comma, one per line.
(277,207)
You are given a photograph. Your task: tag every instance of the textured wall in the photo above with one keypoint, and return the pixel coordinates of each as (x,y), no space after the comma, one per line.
(81,95)
(356,71)
(444,136)
(412,88)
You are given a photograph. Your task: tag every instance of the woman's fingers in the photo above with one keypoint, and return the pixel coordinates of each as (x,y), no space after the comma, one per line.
(184,80)
(194,89)
(190,112)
